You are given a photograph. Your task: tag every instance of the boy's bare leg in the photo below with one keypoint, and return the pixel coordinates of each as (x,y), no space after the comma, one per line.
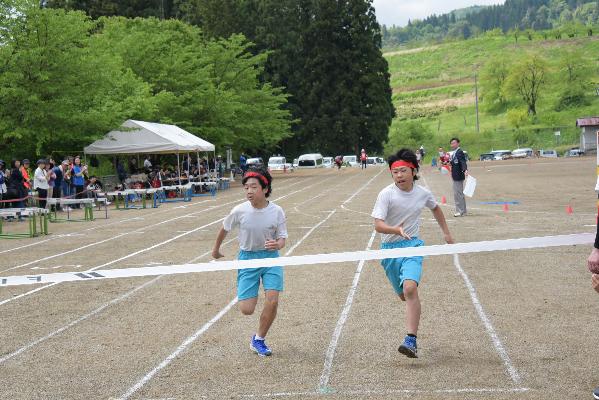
(248,306)
(410,292)
(269,313)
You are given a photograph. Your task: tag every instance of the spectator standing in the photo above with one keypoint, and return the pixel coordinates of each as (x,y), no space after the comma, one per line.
(459,171)
(243,163)
(40,182)
(120,171)
(25,171)
(593,265)
(16,189)
(79,178)
(147,164)
(3,180)
(363,159)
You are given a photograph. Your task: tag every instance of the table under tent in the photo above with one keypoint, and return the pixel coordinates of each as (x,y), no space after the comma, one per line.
(140,137)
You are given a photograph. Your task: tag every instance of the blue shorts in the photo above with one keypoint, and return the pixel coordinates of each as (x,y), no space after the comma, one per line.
(248,280)
(402,268)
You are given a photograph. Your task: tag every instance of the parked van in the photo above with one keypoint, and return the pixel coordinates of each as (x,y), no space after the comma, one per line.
(351,160)
(313,160)
(278,163)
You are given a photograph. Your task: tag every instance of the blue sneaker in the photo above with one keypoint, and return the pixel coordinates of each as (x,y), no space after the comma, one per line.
(259,347)
(596,393)
(409,347)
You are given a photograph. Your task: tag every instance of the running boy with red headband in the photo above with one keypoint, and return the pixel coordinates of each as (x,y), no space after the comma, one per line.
(396,217)
(262,233)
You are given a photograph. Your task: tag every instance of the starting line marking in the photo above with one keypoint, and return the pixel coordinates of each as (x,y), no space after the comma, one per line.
(435,250)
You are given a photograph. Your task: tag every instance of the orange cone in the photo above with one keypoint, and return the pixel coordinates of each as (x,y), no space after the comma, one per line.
(506,208)
(443,200)
(569,210)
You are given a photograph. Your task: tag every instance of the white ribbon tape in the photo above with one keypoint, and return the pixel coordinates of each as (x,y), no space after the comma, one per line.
(436,250)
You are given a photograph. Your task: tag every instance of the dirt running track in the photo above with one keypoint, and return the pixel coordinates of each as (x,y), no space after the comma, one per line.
(509,325)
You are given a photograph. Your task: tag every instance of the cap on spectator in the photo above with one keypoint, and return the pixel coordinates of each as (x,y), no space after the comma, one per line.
(2,162)
(25,161)
(40,161)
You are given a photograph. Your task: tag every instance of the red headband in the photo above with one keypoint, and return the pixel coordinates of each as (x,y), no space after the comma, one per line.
(256,175)
(402,163)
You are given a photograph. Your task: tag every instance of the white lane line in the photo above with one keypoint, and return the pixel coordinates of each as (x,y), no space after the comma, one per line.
(330,354)
(75,322)
(98,310)
(139,230)
(205,327)
(59,236)
(387,392)
(350,198)
(178,351)
(143,250)
(499,348)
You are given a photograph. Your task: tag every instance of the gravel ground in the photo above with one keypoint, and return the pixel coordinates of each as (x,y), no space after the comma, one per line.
(182,336)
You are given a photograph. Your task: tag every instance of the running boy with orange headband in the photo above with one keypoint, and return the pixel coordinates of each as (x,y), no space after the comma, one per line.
(262,233)
(396,217)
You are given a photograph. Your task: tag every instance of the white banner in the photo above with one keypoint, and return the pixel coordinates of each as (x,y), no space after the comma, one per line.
(436,250)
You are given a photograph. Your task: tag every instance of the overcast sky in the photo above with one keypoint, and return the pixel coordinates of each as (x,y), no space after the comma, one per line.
(398,12)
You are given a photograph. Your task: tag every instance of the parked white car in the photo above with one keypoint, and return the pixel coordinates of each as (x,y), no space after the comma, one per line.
(327,162)
(279,163)
(351,160)
(522,153)
(548,153)
(502,154)
(255,162)
(295,162)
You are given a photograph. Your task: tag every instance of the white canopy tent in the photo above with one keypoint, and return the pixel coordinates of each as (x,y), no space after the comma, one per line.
(140,137)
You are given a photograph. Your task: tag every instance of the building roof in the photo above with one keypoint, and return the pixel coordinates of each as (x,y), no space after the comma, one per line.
(591,121)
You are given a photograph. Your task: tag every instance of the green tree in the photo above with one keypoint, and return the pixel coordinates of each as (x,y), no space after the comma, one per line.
(410,134)
(526,80)
(493,78)
(210,88)
(56,91)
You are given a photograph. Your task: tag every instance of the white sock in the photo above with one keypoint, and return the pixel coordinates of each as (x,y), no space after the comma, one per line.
(258,337)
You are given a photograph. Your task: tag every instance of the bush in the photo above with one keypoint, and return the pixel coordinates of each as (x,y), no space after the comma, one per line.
(571,97)
(517,117)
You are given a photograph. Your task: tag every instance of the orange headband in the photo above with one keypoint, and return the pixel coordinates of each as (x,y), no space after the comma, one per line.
(402,163)
(256,175)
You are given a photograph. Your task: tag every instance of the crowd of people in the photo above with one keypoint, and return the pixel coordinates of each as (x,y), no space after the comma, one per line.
(20,181)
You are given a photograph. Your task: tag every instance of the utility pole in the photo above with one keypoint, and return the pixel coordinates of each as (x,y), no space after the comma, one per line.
(476,97)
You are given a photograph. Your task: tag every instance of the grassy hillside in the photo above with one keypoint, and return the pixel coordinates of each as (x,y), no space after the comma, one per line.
(433,92)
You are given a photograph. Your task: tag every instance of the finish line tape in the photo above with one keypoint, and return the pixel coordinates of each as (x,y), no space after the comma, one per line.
(435,250)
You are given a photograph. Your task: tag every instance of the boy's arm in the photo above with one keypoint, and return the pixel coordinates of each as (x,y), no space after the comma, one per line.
(219,241)
(438,214)
(381,227)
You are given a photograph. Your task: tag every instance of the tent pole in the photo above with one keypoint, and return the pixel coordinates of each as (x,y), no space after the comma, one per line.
(178,169)
(198,162)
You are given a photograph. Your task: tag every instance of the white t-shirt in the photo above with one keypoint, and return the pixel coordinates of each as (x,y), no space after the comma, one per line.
(256,224)
(397,207)
(39,179)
